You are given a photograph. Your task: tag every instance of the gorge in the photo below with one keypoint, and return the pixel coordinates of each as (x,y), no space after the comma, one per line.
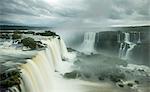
(105,61)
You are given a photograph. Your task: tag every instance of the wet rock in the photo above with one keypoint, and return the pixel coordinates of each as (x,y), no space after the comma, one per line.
(9,78)
(130,84)
(70,50)
(72,75)
(114,79)
(121,85)
(2,89)
(117,77)
(137,82)
(101,78)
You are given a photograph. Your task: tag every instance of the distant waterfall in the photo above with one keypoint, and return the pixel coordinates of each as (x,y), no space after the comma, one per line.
(14,89)
(139,38)
(121,50)
(123,46)
(119,38)
(38,73)
(88,43)
(134,38)
(128,52)
(127,38)
(126,47)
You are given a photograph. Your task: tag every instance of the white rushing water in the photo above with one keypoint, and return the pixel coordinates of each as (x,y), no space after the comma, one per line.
(38,73)
(126,47)
(88,43)
(14,89)
(43,72)
(127,38)
(121,50)
(129,50)
(119,38)
(139,38)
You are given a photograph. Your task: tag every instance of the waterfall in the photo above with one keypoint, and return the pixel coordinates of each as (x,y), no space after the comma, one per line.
(127,38)
(88,43)
(38,73)
(128,52)
(134,38)
(119,40)
(22,86)
(121,50)
(139,38)
(126,47)
(13,89)
(123,46)
(63,50)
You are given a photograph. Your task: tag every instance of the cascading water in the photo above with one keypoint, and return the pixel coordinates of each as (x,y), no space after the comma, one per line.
(13,89)
(119,40)
(22,86)
(128,52)
(88,43)
(38,73)
(139,38)
(121,50)
(126,47)
(127,38)
(123,46)
(41,73)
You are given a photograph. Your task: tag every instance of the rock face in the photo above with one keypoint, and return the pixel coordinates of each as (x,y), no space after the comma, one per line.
(72,75)
(141,54)
(9,79)
(107,41)
(128,43)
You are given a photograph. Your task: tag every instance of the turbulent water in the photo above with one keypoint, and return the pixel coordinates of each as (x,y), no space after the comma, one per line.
(126,47)
(42,67)
(44,70)
(88,42)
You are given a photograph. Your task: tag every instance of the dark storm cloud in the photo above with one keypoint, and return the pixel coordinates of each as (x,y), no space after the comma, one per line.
(113,12)
(33,12)
(76,13)
(118,9)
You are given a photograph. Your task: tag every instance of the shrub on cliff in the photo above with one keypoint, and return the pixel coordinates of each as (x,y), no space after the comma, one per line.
(29,42)
(10,78)
(47,33)
(72,75)
(16,36)
(4,36)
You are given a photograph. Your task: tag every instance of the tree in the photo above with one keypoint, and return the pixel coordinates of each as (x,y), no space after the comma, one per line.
(16,36)
(29,42)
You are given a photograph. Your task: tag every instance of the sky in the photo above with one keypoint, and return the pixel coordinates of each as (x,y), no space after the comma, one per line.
(75,13)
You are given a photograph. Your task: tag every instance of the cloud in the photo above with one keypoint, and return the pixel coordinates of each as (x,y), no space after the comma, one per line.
(75,13)
(34,12)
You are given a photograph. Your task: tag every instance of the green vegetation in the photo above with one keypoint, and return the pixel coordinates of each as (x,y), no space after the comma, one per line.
(4,36)
(29,32)
(47,33)
(29,42)
(10,78)
(16,36)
